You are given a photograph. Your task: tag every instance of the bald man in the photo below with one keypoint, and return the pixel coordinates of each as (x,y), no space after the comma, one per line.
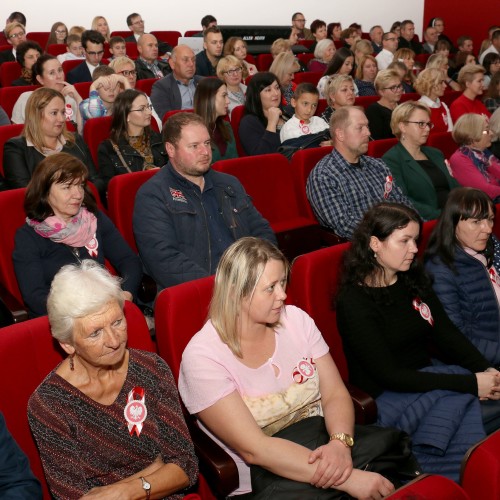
(147,64)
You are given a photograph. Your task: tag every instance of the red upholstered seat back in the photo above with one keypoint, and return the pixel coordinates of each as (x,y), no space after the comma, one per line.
(6,133)
(9,71)
(27,354)
(95,131)
(56,49)
(378,148)
(180,312)
(9,96)
(313,287)
(13,216)
(171,37)
(444,142)
(236,116)
(307,76)
(121,198)
(264,62)
(427,229)
(366,100)
(301,165)
(268,180)
(145,85)
(83,88)
(480,475)
(71,64)
(41,37)
(431,487)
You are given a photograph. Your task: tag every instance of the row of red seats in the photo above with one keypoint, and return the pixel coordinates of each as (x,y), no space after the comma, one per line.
(180,313)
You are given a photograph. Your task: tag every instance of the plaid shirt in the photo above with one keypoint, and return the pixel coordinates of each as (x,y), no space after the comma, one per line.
(340,193)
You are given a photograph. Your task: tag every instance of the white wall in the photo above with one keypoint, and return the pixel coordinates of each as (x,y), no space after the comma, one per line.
(182,16)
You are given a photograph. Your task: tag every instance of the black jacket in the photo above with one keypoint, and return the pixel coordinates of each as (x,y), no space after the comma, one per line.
(20,161)
(144,73)
(110,164)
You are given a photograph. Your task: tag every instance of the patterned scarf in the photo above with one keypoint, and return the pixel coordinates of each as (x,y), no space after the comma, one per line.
(78,232)
(482,160)
(143,147)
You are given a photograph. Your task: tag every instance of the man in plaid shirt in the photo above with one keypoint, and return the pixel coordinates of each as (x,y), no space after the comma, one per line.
(345,183)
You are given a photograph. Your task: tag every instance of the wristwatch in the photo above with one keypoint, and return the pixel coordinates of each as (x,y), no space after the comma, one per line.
(344,438)
(147,488)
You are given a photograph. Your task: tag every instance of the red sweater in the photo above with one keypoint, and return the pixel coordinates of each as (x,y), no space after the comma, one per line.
(463,104)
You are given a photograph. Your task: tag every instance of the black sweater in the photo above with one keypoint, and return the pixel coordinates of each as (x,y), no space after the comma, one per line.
(385,342)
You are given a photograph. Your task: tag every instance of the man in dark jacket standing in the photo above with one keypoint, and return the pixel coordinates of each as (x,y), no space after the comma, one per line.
(187,215)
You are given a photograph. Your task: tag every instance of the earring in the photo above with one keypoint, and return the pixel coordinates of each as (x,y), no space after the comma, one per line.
(72,362)
(375,255)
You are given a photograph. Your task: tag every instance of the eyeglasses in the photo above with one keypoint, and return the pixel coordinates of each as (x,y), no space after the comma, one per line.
(300,20)
(17,35)
(61,32)
(390,39)
(143,109)
(422,125)
(394,88)
(233,72)
(138,22)
(128,72)
(100,53)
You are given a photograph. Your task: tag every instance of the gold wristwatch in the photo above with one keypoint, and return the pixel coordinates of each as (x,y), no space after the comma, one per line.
(344,438)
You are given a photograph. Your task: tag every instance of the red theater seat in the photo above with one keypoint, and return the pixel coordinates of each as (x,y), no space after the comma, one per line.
(145,85)
(180,312)
(9,71)
(27,354)
(236,116)
(9,96)
(431,487)
(171,37)
(95,131)
(121,198)
(264,62)
(378,148)
(313,287)
(444,142)
(308,76)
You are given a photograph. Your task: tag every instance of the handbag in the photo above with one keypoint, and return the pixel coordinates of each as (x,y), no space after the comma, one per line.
(290,147)
(384,450)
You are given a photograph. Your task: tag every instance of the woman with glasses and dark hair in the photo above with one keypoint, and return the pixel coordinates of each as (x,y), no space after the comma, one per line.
(229,70)
(211,102)
(132,145)
(463,259)
(389,88)
(27,54)
(420,171)
(260,126)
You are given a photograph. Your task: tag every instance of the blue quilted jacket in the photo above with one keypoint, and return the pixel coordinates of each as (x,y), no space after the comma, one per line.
(468,297)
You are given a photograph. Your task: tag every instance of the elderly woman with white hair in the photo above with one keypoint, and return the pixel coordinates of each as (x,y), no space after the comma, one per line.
(323,54)
(431,84)
(473,164)
(107,419)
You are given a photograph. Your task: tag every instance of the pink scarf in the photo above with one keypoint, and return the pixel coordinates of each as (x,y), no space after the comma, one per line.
(78,232)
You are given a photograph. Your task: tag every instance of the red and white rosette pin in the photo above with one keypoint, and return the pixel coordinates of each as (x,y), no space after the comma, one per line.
(305,128)
(304,370)
(424,310)
(92,247)
(387,186)
(68,111)
(135,411)
(494,276)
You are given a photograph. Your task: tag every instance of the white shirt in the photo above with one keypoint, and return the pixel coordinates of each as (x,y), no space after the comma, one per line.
(384,58)
(490,50)
(293,128)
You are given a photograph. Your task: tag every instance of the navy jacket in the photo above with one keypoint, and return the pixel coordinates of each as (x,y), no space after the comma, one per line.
(469,300)
(171,229)
(204,66)
(79,74)
(16,479)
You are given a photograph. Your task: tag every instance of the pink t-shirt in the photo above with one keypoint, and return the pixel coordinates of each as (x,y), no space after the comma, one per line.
(210,371)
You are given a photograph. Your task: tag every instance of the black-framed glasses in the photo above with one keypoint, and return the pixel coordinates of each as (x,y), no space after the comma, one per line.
(422,125)
(394,88)
(100,53)
(143,109)
(128,72)
(233,72)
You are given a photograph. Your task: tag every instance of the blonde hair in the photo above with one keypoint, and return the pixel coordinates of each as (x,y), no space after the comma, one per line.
(495,125)
(384,77)
(238,273)
(436,61)
(427,80)
(468,129)
(402,54)
(284,63)
(225,63)
(280,45)
(467,73)
(359,69)
(35,106)
(96,19)
(12,26)
(119,62)
(403,112)
(363,46)
(333,85)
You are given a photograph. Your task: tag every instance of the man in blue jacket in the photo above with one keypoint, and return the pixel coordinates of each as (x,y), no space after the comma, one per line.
(187,214)
(16,479)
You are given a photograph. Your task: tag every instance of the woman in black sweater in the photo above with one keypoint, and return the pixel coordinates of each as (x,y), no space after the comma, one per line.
(387,313)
